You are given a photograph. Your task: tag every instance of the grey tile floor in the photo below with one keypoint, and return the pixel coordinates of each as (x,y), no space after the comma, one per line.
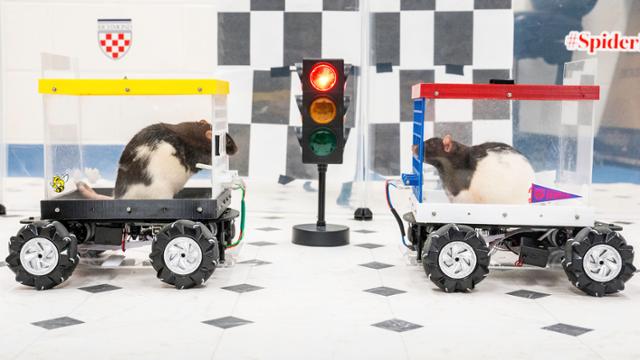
(284,301)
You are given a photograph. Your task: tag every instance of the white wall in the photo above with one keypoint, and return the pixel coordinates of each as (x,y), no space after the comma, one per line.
(175,39)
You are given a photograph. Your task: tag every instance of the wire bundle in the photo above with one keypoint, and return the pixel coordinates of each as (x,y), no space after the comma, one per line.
(241,186)
(387,184)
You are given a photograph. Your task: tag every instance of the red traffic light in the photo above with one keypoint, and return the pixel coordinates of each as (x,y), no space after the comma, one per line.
(323,77)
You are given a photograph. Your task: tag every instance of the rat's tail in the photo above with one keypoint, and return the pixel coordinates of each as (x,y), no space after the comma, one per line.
(88,193)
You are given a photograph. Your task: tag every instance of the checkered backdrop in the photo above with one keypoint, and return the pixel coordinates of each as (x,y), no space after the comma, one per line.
(460,41)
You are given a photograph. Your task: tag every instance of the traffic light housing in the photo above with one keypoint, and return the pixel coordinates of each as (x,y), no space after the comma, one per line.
(322,106)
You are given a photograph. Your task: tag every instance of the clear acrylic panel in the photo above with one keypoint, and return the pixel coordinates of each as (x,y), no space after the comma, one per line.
(553,143)
(85,135)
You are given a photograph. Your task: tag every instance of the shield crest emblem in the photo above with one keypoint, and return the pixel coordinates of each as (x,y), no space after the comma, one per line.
(114,37)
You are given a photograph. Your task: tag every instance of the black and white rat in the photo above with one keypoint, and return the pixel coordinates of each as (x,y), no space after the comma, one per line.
(488,173)
(159,160)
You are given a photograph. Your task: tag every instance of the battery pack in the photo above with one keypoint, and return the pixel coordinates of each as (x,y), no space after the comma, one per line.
(531,254)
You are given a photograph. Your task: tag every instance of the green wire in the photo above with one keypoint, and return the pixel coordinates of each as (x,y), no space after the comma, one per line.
(242,217)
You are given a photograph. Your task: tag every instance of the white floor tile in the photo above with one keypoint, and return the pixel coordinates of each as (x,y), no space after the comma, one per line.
(312,302)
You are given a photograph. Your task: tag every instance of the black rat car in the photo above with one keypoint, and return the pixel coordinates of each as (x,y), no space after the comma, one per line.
(531,198)
(151,191)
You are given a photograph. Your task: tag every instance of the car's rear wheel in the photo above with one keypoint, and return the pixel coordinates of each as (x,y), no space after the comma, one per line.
(598,261)
(184,254)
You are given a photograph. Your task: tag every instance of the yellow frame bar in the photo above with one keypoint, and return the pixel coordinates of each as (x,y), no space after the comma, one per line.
(129,87)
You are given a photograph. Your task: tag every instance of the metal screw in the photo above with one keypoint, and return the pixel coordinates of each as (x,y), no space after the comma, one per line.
(54,89)
(504,215)
(128,209)
(577,217)
(127,89)
(57,210)
(199,89)
(199,209)
(436,93)
(509,94)
(433,213)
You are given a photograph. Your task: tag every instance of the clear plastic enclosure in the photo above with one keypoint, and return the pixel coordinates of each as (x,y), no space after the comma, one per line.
(554,136)
(89,122)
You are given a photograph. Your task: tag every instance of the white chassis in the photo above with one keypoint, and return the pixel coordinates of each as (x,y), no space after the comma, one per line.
(526,215)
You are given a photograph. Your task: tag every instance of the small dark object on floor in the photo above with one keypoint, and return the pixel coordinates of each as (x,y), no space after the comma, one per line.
(284,179)
(363,214)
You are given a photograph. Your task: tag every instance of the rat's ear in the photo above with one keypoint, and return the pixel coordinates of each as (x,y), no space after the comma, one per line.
(447,143)
(203,121)
(209,134)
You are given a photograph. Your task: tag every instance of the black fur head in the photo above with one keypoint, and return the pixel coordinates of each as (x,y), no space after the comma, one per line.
(452,160)
(444,152)
(199,134)
(456,162)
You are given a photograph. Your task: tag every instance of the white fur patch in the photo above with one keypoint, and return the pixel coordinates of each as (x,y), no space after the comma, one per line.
(500,178)
(168,175)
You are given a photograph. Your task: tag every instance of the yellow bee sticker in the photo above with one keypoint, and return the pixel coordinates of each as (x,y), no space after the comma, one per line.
(58,182)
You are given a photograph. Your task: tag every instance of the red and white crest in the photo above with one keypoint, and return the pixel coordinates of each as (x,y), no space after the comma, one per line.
(114,37)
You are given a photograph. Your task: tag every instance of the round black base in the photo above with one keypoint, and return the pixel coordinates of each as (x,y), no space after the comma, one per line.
(313,235)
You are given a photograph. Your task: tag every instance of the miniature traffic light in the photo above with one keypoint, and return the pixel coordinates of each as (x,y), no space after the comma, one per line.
(323,106)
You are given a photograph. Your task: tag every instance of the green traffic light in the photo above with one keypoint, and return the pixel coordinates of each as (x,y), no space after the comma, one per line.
(323,142)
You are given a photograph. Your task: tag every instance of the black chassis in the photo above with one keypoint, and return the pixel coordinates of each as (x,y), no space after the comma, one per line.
(104,222)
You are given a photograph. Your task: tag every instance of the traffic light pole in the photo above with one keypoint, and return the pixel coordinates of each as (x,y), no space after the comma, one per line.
(321,233)
(322,184)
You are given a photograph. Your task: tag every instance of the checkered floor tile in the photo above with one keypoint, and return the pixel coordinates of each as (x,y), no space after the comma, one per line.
(376,265)
(262,243)
(397,325)
(268,228)
(57,323)
(385,291)
(528,294)
(567,329)
(100,288)
(369,245)
(345,302)
(227,322)
(255,262)
(364,231)
(242,288)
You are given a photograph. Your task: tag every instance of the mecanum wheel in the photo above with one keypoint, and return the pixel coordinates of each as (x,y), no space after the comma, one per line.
(184,254)
(598,261)
(455,258)
(43,254)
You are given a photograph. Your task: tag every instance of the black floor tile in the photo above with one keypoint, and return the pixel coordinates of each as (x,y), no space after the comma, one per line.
(397,325)
(227,322)
(57,323)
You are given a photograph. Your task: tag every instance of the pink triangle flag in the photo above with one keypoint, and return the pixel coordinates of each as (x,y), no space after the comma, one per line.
(542,194)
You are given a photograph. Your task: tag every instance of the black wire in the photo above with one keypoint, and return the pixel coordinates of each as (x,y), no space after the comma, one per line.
(397,217)
(399,221)
(509,247)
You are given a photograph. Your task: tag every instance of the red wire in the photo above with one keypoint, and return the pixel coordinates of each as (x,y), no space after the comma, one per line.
(519,263)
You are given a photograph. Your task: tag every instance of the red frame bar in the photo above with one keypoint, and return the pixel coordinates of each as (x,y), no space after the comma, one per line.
(505,91)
